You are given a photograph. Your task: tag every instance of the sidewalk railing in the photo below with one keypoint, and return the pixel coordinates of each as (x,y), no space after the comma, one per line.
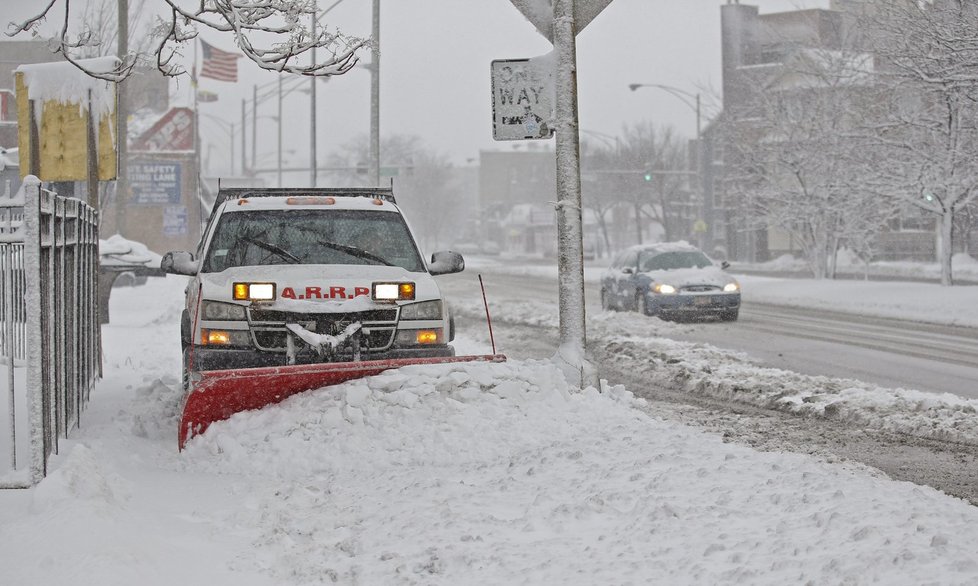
(49,282)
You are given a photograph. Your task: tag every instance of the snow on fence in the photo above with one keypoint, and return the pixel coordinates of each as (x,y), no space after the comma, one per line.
(49,282)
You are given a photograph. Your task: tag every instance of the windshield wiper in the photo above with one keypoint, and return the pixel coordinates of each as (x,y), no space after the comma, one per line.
(351,250)
(273,249)
(354,251)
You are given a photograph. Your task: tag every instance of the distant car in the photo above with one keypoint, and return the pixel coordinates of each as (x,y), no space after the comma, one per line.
(670,280)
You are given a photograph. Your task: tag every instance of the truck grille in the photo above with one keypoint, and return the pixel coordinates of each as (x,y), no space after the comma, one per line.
(274,340)
(374,315)
(269,333)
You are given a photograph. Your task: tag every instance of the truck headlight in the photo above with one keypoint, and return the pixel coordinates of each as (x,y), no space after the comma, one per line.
(216,310)
(393,291)
(423,310)
(253,291)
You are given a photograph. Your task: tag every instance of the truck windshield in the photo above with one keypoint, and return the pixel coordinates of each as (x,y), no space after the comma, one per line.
(349,237)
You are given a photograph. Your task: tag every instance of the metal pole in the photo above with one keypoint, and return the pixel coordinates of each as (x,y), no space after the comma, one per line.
(8,306)
(231,149)
(254,125)
(570,247)
(312,113)
(244,161)
(374,172)
(279,130)
(92,149)
(122,125)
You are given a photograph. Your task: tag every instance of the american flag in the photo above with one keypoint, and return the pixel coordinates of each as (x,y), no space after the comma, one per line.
(218,64)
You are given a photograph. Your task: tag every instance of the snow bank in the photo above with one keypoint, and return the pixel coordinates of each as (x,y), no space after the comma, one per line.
(460,474)
(636,344)
(488,474)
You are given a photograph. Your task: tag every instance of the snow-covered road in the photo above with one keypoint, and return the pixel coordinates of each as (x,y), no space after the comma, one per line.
(460,474)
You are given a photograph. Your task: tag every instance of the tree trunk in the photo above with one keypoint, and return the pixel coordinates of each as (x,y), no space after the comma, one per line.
(945,246)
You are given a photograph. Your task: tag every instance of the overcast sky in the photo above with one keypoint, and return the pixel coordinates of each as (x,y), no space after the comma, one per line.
(435,72)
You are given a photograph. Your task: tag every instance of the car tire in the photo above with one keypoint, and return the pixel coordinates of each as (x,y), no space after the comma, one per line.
(605,303)
(185,371)
(730,315)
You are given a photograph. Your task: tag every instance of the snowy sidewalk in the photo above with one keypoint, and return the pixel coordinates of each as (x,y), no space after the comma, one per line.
(455,474)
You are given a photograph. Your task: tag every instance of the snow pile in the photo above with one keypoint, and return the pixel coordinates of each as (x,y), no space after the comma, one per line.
(479,474)
(636,344)
(117,250)
(706,370)
(63,82)
(80,479)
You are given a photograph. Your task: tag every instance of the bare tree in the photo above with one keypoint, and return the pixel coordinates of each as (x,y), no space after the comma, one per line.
(600,186)
(924,125)
(800,166)
(279,22)
(656,173)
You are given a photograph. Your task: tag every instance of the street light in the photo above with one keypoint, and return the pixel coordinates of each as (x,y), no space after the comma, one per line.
(682,95)
(604,138)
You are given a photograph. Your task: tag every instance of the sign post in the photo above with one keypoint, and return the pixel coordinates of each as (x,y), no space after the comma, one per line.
(560,21)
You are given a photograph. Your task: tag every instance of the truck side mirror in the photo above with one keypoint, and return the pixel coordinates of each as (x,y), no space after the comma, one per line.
(446,262)
(724,265)
(179,262)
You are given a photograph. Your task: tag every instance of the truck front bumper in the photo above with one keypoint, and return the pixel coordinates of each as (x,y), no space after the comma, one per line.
(236,358)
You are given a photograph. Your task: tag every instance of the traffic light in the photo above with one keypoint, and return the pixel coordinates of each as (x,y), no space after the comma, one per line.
(648,176)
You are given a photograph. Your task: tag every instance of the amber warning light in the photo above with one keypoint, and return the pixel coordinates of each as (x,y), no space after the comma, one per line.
(254,291)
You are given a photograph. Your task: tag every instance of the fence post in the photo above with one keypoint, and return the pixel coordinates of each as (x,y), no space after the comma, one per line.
(35,372)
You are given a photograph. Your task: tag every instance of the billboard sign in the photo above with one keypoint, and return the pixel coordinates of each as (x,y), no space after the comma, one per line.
(175,220)
(155,182)
(174,131)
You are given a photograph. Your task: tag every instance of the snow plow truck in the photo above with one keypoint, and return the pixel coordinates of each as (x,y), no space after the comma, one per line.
(295,289)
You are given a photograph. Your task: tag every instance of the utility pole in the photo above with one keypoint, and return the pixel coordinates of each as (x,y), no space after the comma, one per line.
(560,26)
(312,114)
(279,184)
(374,172)
(244,160)
(122,125)
(254,124)
(570,247)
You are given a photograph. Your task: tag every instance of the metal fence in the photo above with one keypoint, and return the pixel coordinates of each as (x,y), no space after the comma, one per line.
(49,282)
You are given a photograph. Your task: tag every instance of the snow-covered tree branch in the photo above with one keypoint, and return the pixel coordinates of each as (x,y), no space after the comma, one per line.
(798,165)
(925,132)
(273,34)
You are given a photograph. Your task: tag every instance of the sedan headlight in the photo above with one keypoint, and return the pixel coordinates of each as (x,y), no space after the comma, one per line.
(423,310)
(216,310)
(731,287)
(663,289)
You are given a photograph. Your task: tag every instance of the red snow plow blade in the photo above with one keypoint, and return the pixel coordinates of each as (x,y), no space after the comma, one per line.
(221,393)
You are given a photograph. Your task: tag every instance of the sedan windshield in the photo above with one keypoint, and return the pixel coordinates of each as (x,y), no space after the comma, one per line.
(349,237)
(665,261)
